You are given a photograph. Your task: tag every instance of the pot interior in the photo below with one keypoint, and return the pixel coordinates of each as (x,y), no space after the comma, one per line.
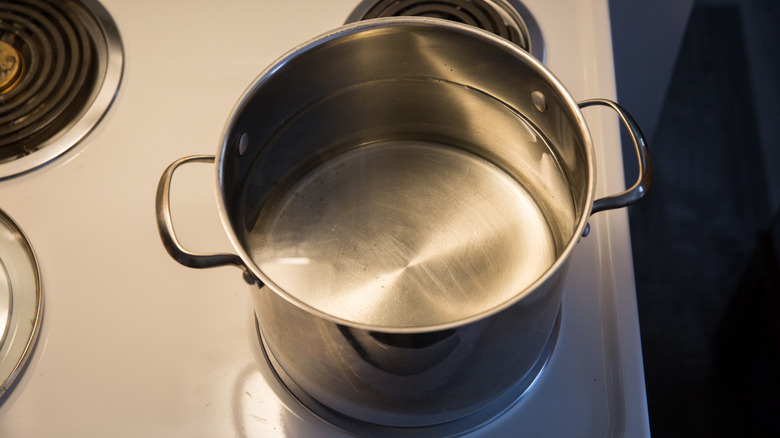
(405,174)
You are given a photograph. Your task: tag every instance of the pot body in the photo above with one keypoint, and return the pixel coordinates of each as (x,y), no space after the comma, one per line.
(411,379)
(404,195)
(406,106)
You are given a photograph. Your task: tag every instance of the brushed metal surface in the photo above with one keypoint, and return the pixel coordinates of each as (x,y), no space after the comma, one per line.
(409,81)
(403,234)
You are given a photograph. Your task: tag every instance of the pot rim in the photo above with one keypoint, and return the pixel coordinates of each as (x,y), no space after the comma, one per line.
(412,22)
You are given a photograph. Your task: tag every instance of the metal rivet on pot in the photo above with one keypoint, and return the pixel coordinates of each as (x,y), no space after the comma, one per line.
(250,279)
(243,143)
(540,102)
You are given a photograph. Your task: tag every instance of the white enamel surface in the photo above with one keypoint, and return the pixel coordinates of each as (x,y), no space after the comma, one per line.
(133,344)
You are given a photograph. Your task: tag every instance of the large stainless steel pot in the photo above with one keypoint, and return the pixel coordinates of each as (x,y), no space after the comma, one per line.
(409,192)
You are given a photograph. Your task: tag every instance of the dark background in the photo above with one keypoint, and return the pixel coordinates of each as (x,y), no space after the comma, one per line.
(706,237)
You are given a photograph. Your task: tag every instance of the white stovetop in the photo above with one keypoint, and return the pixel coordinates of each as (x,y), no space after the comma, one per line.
(133,344)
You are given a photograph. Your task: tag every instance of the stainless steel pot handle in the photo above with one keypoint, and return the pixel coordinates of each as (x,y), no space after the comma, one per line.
(639,188)
(165,224)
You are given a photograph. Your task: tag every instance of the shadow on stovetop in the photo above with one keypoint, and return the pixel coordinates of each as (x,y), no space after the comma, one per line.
(706,237)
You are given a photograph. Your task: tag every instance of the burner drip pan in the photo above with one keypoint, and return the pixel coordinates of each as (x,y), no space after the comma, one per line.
(21,301)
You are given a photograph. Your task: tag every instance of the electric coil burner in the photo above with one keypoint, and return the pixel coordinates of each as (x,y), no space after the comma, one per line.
(60,67)
(507,19)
